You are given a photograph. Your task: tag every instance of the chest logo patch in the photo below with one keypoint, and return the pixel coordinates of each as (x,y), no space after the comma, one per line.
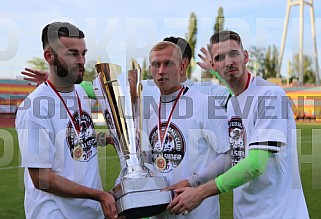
(237,139)
(168,155)
(84,148)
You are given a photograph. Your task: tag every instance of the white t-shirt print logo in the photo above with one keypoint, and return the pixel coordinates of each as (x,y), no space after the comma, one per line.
(84,148)
(237,138)
(169,155)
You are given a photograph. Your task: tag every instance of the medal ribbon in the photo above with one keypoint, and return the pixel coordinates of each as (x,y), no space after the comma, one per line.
(160,135)
(73,122)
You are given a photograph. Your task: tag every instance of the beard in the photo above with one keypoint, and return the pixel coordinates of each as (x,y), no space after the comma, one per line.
(63,71)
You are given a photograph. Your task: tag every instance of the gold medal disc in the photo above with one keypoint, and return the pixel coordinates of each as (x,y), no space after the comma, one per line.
(78,152)
(160,162)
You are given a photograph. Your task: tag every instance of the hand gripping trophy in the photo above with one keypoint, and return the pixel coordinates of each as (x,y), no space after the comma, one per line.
(138,192)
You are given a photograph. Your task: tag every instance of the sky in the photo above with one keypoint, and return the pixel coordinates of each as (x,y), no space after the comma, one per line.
(117,31)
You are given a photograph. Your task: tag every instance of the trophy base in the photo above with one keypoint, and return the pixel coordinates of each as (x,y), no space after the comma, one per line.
(141,197)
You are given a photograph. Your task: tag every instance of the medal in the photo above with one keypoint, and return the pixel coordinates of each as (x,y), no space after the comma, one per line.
(160,162)
(78,148)
(162,134)
(78,152)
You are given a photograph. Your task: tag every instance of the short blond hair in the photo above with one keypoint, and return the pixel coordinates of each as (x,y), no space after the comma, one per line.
(166,44)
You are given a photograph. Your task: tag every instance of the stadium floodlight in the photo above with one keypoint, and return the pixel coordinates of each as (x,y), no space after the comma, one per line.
(301,4)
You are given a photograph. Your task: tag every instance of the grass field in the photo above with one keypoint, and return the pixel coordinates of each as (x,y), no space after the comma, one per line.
(12,188)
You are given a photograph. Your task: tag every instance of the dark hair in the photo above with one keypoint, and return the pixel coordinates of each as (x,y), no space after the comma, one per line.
(226,35)
(55,30)
(183,45)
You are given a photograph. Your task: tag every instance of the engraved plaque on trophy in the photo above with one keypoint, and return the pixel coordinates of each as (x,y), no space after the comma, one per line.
(138,192)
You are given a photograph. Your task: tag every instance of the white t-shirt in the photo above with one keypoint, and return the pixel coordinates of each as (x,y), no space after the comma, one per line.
(196,134)
(211,89)
(219,94)
(47,140)
(261,118)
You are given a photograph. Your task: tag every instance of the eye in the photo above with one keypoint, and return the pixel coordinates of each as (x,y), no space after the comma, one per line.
(72,53)
(219,58)
(234,53)
(170,63)
(155,65)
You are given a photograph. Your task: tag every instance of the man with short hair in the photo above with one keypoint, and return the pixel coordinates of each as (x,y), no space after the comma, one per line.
(264,176)
(184,134)
(57,136)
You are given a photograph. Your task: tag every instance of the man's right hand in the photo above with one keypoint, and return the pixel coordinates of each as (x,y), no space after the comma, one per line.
(108,205)
(35,75)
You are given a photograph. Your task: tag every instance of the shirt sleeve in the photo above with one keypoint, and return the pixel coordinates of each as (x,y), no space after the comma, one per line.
(35,141)
(270,126)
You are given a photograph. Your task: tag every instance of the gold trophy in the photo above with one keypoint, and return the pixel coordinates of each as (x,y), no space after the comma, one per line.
(137,192)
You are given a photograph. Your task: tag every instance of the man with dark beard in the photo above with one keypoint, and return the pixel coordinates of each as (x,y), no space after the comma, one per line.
(61,162)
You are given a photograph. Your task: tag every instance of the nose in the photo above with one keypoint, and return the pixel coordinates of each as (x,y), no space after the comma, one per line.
(228,61)
(162,69)
(81,59)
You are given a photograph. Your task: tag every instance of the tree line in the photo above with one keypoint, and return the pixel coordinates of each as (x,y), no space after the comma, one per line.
(263,61)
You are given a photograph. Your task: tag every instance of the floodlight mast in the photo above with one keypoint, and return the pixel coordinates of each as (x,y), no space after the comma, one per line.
(301,4)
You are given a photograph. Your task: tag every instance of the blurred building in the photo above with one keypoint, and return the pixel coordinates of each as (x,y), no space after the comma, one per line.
(305,100)
(13,92)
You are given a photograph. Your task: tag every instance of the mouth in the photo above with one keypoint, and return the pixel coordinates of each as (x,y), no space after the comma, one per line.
(162,80)
(231,71)
(81,71)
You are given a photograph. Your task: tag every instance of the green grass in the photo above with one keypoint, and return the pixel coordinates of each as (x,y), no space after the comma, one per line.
(309,141)
(11,176)
(311,186)
(12,189)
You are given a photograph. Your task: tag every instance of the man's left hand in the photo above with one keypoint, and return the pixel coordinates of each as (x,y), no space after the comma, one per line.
(180,184)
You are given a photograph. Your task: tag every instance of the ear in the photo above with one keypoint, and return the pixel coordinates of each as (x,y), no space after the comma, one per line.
(49,57)
(184,65)
(246,56)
